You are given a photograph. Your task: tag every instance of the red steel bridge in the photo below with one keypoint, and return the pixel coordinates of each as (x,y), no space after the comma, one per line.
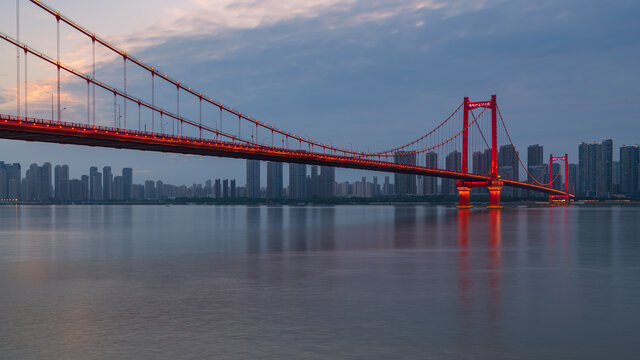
(472,127)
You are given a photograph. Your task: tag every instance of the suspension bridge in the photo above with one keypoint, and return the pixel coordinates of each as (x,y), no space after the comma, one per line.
(442,152)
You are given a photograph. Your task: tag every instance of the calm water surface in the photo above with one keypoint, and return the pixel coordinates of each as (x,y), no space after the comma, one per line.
(352,282)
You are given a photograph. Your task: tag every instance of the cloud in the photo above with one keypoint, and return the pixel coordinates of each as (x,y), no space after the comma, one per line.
(215,18)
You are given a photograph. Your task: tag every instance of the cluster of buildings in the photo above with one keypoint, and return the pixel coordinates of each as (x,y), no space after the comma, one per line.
(596,175)
(46,184)
(599,176)
(320,183)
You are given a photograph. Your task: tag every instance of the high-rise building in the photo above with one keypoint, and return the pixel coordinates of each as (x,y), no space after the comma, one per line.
(77,189)
(387,187)
(253,179)
(33,180)
(127,183)
(405,183)
(573,178)
(95,184)
(328,181)
(535,155)
(590,169)
(149,190)
(85,187)
(607,168)
(92,175)
(453,162)
(629,162)
(508,157)
(232,190)
(118,188)
(430,183)
(160,190)
(107,183)
(4,178)
(313,184)
(274,180)
(14,180)
(535,165)
(297,181)
(61,182)
(208,188)
(225,188)
(45,181)
(217,189)
(615,180)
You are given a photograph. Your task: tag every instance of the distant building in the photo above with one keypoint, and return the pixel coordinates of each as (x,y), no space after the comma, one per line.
(629,163)
(607,168)
(297,181)
(328,181)
(95,184)
(150,190)
(127,183)
(253,179)
(573,178)
(615,174)
(107,183)
(405,184)
(453,162)
(118,188)
(61,182)
(217,189)
(589,169)
(430,183)
(508,167)
(77,190)
(274,180)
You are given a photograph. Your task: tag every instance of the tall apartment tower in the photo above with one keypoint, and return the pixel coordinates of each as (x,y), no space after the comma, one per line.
(453,162)
(405,183)
(217,189)
(253,179)
(274,180)
(629,163)
(328,181)
(127,183)
(430,183)
(61,183)
(606,185)
(107,183)
(590,169)
(297,181)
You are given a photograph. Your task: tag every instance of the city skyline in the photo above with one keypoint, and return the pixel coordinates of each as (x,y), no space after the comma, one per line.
(283,95)
(594,174)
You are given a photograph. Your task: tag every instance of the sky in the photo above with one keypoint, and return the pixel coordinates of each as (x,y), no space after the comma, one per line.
(366,74)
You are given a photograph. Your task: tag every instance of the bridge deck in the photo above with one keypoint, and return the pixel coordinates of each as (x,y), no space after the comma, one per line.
(41,130)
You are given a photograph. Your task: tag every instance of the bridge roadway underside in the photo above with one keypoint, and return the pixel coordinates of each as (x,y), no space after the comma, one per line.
(113,138)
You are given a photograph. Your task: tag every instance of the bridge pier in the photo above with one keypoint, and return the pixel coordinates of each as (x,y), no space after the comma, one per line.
(464,196)
(495,187)
(464,193)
